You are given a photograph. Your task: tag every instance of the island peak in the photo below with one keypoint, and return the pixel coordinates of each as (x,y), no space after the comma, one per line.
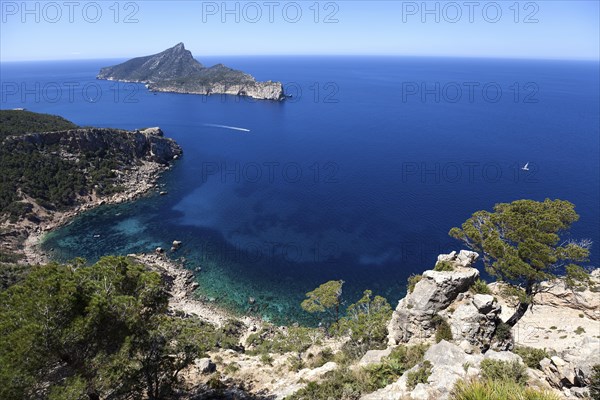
(176,70)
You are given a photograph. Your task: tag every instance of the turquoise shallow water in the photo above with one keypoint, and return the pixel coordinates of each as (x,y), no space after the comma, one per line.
(352,179)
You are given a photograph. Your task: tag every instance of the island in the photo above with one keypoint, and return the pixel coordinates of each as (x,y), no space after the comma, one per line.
(175,70)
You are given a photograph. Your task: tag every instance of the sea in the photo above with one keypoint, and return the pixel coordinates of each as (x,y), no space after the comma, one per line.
(357,176)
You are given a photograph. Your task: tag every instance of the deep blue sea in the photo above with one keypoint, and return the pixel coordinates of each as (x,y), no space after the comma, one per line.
(359,176)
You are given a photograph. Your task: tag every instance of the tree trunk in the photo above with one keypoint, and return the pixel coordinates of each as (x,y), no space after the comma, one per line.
(521,310)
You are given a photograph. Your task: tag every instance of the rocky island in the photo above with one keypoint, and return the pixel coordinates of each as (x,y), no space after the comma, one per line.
(175,70)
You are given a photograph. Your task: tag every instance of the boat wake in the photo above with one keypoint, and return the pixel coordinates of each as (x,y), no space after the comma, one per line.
(233,128)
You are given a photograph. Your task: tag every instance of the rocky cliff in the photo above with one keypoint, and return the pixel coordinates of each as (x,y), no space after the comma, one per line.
(176,70)
(48,177)
(125,146)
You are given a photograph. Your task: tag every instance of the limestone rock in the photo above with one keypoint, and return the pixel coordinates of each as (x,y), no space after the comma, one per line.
(411,321)
(374,356)
(205,365)
(475,322)
(557,294)
(314,374)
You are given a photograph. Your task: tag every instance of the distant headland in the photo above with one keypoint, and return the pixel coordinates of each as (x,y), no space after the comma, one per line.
(175,70)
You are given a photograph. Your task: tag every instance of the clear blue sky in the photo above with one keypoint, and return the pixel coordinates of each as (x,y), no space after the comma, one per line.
(540,29)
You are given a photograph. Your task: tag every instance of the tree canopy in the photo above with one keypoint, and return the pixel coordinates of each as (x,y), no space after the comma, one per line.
(325,298)
(73,332)
(521,244)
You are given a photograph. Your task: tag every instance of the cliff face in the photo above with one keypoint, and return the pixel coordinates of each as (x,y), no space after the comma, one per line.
(90,167)
(176,70)
(126,146)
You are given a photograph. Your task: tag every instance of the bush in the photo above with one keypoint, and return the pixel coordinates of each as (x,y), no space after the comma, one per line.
(419,376)
(271,340)
(366,323)
(595,382)
(412,281)
(531,356)
(503,331)
(323,357)
(498,370)
(480,287)
(443,266)
(400,360)
(347,384)
(442,330)
(497,390)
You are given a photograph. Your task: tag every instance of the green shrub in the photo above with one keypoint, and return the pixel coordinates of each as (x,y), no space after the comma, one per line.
(579,330)
(443,266)
(232,368)
(531,356)
(512,371)
(595,382)
(401,359)
(480,287)
(295,363)
(497,390)
(272,340)
(442,330)
(503,331)
(266,359)
(366,323)
(320,359)
(421,375)
(412,281)
(344,383)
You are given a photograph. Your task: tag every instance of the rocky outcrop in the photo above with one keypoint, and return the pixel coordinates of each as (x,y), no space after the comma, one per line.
(449,363)
(127,146)
(573,368)
(175,70)
(556,294)
(412,319)
(474,321)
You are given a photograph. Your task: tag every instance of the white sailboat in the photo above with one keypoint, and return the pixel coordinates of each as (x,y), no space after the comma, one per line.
(525,167)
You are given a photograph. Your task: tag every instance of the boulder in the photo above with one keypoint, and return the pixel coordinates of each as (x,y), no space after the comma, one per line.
(314,374)
(483,302)
(474,322)
(374,356)
(205,365)
(583,358)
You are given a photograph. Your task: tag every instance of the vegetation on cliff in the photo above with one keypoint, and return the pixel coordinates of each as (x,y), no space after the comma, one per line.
(176,70)
(56,168)
(521,244)
(99,332)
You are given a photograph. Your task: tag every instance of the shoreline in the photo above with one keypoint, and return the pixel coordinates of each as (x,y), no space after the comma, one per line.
(182,286)
(139,183)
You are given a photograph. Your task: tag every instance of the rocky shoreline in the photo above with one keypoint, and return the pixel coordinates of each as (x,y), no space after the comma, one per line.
(140,182)
(152,155)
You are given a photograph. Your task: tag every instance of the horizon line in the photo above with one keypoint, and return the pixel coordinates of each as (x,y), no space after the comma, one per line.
(486,57)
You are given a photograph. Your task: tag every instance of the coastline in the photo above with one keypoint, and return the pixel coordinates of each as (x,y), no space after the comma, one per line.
(182,284)
(271,91)
(139,183)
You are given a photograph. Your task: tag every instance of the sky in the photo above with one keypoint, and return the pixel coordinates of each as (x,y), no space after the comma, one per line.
(64,30)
